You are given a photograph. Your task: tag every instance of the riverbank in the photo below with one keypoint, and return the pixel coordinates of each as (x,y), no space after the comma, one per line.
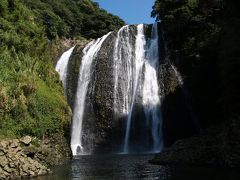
(29,156)
(215,147)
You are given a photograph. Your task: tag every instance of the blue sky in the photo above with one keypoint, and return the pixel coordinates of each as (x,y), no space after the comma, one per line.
(131,11)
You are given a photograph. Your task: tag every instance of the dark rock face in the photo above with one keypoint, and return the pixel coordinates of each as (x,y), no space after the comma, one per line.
(102,94)
(98,111)
(212,148)
(103,130)
(72,74)
(193,151)
(179,119)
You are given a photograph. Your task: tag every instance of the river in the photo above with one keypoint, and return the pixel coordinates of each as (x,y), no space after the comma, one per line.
(114,167)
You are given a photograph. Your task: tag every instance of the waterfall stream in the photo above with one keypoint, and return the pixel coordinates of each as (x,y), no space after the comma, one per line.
(136,94)
(61,66)
(131,61)
(151,99)
(90,52)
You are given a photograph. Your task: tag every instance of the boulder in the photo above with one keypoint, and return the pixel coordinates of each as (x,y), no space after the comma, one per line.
(14,143)
(7,169)
(3,161)
(2,152)
(4,144)
(17,150)
(2,175)
(26,140)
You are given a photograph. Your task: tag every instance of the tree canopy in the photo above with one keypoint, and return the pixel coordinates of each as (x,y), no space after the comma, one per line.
(203,38)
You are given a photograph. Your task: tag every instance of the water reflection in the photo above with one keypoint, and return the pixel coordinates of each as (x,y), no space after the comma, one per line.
(114,167)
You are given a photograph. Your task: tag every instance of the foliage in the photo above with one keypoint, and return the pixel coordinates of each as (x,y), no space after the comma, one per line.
(31,95)
(204,42)
(68,18)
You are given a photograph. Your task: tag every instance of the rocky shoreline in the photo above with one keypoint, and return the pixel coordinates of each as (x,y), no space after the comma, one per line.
(30,157)
(211,148)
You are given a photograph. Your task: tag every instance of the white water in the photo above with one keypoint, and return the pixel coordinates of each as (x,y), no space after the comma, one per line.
(177,74)
(137,67)
(122,51)
(90,52)
(136,62)
(150,98)
(129,60)
(61,66)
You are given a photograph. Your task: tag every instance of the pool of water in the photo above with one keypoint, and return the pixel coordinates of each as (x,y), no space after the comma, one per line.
(114,167)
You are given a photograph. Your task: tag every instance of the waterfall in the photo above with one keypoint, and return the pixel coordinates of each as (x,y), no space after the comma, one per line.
(89,53)
(137,67)
(130,61)
(122,51)
(127,66)
(151,99)
(61,66)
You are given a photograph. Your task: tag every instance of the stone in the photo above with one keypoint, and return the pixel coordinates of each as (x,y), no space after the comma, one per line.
(12,165)
(10,155)
(22,160)
(32,173)
(33,168)
(4,144)
(26,140)
(17,150)
(3,161)
(30,160)
(25,168)
(14,143)
(42,172)
(2,153)
(7,169)
(3,174)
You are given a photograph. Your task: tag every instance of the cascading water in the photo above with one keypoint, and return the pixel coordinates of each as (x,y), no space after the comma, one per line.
(122,50)
(132,59)
(90,52)
(129,61)
(61,66)
(151,99)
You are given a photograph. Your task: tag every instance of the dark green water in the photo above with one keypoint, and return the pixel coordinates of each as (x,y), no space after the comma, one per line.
(114,167)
